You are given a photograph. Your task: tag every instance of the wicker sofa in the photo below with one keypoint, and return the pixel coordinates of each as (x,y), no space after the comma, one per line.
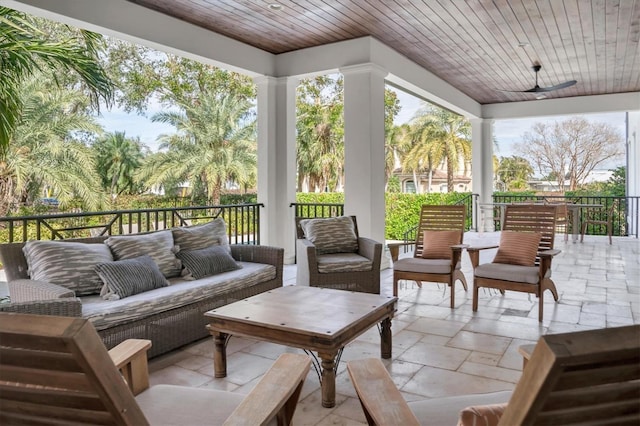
(170,316)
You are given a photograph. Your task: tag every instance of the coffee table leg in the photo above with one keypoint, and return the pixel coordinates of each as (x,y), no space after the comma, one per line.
(220,354)
(385,338)
(328,384)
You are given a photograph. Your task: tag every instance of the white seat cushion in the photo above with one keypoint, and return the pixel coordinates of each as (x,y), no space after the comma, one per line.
(425,266)
(506,272)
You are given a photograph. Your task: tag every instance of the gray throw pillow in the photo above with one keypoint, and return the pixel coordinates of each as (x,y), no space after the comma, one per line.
(157,245)
(201,236)
(67,264)
(127,277)
(207,261)
(331,235)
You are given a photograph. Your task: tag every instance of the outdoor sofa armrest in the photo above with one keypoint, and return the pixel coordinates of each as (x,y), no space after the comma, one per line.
(130,357)
(258,254)
(26,290)
(65,307)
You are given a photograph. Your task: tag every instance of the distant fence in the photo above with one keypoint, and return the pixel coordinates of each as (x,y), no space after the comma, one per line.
(242,223)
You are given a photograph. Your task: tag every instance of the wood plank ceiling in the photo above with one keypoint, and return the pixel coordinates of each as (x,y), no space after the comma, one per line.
(482,47)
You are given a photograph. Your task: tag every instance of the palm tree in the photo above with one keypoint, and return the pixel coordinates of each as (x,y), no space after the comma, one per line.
(25,50)
(441,135)
(214,145)
(397,141)
(118,158)
(43,152)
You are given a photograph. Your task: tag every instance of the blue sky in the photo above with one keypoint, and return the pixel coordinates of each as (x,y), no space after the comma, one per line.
(508,132)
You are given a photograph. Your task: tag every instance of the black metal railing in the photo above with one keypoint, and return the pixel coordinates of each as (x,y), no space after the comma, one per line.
(242,223)
(311,210)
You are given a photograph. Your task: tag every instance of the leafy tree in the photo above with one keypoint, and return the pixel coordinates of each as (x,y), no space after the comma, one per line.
(572,148)
(25,50)
(43,153)
(117,159)
(514,172)
(439,135)
(617,184)
(214,145)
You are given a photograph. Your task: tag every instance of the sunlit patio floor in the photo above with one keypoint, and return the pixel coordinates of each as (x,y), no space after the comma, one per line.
(438,351)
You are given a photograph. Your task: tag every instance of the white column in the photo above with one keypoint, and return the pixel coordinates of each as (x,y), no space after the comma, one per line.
(633,166)
(364,147)
(277,161)
(482,163)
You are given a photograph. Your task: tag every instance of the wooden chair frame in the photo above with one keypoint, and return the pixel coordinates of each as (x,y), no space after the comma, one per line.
(524,218)
(56,370)
(586,377)
(591,220)
(434,218)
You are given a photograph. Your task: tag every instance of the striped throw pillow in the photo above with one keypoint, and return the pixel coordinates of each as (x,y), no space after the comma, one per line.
(331,235)
(437,244)
(518,248)
(68,264)
(157,245)
(201,236)
(124,278)
(207,261)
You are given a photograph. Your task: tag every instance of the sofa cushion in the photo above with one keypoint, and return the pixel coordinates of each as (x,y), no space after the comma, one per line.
(518,248)
(127,277)
(437,244)
(331,235)
(104,314)
(157,245)
(201,236)
(207,261)
(68,264)
(343,262)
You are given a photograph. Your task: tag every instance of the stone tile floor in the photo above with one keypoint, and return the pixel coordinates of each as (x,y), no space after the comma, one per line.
(438,351)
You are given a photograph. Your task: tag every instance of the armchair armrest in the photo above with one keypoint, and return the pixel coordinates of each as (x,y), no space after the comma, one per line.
(474,254)
(130,357)
(545,260)
(381,400)
(394,249)
(275,395)
(26,290)
(307,260)
(370,249)
(65,307)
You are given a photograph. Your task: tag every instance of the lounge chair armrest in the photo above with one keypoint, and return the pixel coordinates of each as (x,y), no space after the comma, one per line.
(275,395)
(474,254)
(130,357)
(394,249)
(26,290)
(459,247)
(381,400)
(482,248)
(549,253)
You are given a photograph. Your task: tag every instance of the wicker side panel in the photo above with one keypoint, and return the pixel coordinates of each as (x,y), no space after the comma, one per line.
(67,307)
(172,329)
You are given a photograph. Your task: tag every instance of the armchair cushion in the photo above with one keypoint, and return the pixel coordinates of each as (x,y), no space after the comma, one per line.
(207,261)
(127,277)
(201,236)
(485,415)
(424,266)
(157,245)
(331,235)
(518,248)
(343,262)
(437,244)
(506,272)
(67,264)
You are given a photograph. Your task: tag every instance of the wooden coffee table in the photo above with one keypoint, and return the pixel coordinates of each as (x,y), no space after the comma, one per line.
(310,318)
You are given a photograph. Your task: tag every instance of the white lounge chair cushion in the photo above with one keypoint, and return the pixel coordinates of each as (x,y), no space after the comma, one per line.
(424,266)
(505,272)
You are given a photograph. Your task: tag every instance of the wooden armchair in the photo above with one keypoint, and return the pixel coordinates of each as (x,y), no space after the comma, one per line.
(595,218)
(331,254)
(56,370)
(438,249)
(586,377)
(523,261)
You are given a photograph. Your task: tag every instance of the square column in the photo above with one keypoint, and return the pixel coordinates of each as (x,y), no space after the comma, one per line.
(364,147)
(277,161)
(482,163)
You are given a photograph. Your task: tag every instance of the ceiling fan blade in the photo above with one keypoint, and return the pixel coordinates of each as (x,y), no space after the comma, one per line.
(538,89)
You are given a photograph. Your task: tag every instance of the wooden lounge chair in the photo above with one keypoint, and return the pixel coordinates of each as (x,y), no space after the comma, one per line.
(587,377)
(596,219)
(434,259)
(522,262)
(56,370)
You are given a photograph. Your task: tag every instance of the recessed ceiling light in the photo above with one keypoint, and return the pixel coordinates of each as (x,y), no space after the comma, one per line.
(275,6)
(523,44)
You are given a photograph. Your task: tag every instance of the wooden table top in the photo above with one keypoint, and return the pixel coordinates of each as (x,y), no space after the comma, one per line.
(316,313)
